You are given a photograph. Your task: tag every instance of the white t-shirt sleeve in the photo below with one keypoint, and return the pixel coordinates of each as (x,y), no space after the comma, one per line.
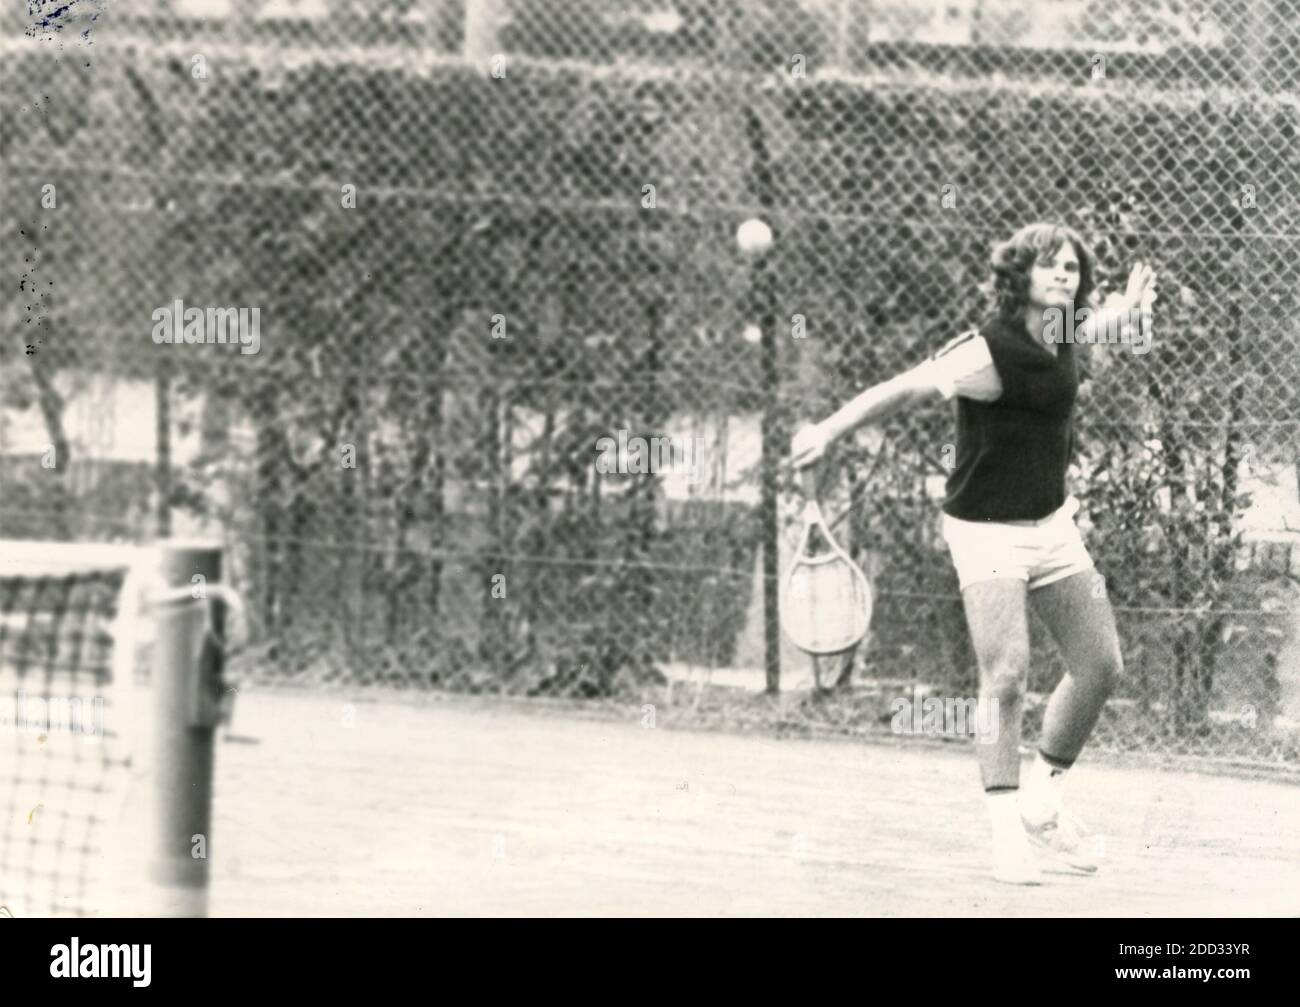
(964,366)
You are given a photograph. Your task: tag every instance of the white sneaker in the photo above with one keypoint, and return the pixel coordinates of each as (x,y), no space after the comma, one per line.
(1016,863)
(1065,841)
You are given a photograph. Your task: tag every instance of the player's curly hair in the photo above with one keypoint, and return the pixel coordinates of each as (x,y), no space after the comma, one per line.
(1014,258)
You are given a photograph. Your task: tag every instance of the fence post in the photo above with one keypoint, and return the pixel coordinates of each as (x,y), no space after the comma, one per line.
(163,448)
(762,299)
(771,451)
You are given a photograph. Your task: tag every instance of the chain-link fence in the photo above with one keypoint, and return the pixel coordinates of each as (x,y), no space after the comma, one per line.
(436,311)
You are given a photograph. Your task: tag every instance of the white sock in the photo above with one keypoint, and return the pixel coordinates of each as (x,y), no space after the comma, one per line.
(1004,810)
(1044,791)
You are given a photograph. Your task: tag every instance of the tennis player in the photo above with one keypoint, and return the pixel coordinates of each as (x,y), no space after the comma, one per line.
(1009,524)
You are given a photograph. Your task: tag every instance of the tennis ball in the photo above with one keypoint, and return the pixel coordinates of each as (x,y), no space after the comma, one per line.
(754,236)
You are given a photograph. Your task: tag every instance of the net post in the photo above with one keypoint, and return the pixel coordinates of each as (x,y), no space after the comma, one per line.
(185,692)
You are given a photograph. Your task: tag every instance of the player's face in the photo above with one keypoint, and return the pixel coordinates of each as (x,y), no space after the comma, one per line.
(1054,281)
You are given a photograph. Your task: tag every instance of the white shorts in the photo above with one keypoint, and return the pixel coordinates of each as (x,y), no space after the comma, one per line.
(1038,552)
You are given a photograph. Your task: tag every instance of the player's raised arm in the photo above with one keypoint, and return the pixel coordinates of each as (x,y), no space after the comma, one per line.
(963,367)
(1124,317)
(872,406)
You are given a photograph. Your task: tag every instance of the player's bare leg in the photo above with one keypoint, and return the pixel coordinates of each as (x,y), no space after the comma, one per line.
(1079,616)
(999,627)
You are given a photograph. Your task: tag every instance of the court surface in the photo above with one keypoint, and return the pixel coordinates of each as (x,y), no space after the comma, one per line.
(460,806)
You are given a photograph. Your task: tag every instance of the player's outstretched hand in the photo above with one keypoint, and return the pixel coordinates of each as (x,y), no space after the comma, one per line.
(808,445)
(1141,291)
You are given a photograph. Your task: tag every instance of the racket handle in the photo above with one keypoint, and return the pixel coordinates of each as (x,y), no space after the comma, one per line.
(808,482)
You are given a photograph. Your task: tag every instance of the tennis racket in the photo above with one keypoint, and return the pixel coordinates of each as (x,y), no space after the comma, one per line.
(828,603)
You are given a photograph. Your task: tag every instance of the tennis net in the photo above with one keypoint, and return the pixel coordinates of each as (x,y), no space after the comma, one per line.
(79,727)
